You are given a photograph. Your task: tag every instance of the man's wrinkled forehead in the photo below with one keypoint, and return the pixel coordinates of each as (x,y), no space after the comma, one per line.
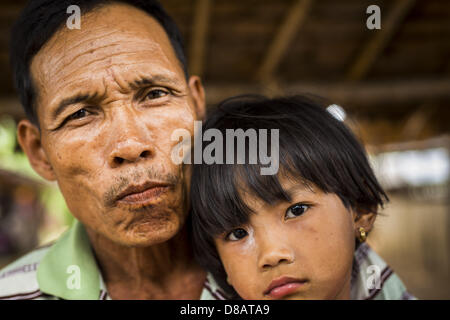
(118,36)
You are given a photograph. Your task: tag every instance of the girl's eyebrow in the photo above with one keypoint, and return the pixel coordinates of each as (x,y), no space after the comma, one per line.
(287,195)
(300,188)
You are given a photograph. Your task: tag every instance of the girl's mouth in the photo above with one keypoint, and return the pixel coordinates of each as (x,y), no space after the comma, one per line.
(284,286)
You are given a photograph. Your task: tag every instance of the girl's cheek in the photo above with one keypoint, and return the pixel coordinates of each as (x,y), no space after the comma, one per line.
(240,263)
(243,281)
(247,246)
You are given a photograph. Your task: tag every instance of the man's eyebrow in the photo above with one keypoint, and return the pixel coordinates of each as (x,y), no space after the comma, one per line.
(143,81)
(135,85)
(81,97)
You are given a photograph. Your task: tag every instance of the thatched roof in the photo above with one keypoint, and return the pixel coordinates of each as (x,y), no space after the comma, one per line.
(396,80)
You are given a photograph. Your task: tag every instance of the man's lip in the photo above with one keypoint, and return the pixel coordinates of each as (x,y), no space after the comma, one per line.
(283,286)
(138,193)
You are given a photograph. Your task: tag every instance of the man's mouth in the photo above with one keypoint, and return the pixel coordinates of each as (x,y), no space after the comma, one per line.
(284,286)
(143,194)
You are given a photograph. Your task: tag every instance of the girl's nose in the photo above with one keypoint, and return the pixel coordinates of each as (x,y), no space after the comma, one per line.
(274,253)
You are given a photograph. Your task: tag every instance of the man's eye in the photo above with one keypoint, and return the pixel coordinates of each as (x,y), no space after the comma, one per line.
(236,234)
(296,210)
(79,114)
(156,93)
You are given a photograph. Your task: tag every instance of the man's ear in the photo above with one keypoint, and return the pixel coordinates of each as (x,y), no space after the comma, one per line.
(198,95)
(29,138)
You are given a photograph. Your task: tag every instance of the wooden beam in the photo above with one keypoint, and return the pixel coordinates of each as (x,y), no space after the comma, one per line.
(288,29)
(346,93)
(373,49)
(199,35)
(417,121)
(441,141)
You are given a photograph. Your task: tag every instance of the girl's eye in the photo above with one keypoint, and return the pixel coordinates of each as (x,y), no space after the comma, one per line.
(236,234)
(296,210)
(156,93)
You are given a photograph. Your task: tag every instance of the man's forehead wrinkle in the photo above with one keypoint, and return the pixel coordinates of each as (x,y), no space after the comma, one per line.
(123,86)
(160,75)
(65,41)
(74,44)
(115,77)
(66,60)
(69,76)
(107,59)
(105,24)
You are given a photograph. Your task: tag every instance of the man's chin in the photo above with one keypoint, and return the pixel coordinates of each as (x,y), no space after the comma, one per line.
(150,232)
(143,239)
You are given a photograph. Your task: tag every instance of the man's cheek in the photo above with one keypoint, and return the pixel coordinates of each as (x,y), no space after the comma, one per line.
(71,160)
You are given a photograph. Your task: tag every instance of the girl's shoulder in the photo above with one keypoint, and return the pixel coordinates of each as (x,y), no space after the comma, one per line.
(374,279)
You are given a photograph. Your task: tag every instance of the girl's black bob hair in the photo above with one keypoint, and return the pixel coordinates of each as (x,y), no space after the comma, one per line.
(314,148)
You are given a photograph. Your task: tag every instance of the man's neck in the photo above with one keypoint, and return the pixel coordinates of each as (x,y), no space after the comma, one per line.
(161,271)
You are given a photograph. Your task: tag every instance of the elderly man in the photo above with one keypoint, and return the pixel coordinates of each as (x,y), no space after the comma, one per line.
(102,102)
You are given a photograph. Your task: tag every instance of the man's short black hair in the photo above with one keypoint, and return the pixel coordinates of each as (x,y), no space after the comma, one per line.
(314,147)
(41,19)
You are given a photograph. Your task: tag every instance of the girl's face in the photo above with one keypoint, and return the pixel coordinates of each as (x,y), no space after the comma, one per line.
(298,250)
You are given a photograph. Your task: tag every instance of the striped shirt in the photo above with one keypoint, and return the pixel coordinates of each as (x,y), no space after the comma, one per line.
(67,270)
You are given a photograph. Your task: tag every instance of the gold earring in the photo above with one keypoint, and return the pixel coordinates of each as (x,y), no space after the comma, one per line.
(362,234)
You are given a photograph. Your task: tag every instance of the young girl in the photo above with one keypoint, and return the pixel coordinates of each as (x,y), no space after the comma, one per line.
(299,233)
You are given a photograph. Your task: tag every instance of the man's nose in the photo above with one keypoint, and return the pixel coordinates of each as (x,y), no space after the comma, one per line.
(273,251)
(129,151)
(133,142)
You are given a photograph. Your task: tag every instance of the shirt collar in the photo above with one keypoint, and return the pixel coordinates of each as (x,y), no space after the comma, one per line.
(69,269)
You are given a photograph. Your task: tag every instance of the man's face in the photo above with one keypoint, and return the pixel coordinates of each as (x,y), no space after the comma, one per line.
(109,97)
(291,250)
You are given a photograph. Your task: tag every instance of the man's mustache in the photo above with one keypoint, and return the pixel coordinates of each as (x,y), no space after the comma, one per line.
(138,176)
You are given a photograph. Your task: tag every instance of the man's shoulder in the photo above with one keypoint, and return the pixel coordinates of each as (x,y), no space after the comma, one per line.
(18,279)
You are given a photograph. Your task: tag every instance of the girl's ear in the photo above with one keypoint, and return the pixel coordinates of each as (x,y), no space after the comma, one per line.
(363,218)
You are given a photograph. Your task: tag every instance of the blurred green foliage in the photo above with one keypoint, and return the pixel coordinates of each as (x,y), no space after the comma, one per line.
(16,161)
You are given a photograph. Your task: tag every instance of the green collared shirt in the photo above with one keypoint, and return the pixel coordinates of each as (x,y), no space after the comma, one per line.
(67,270)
